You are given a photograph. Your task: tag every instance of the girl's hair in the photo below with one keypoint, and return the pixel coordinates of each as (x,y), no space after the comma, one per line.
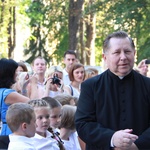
(68,117)
(93,69)
(24,67)
(64,98)
(74,67)
(89,74)
(7,72)
(35,103)
(54,69)
(19,113)
(52,102)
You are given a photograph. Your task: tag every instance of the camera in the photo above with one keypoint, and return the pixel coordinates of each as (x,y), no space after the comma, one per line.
(147,61)
(56,80)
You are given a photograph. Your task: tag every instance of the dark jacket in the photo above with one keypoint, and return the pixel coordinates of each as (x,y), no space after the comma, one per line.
(4,142)
(108,104)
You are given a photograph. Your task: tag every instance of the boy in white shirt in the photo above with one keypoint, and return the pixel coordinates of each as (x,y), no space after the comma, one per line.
(21,120)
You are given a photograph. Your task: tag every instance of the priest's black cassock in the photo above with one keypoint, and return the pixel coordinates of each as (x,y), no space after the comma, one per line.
(108,103)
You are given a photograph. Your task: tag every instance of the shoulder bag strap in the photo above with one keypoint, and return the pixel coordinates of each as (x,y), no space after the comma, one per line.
(1,102)
(71,90)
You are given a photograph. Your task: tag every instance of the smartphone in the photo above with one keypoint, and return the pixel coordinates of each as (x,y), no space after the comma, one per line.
(147,61)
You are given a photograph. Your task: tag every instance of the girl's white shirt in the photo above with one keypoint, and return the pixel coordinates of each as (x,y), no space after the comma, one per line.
(76,93)
(72,143)
(45,143)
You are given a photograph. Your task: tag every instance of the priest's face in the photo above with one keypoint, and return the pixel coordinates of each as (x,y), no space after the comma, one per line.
(119,58)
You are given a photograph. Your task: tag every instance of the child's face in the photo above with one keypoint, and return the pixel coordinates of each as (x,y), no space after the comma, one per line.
(55,117)
(42,119)
(31,128)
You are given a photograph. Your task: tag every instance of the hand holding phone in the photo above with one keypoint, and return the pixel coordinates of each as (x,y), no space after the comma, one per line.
(147,61)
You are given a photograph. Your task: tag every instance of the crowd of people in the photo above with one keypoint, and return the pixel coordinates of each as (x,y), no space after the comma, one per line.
(74,108)
(53,93)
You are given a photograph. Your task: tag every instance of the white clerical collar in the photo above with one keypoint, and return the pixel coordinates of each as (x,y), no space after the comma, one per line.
(120,77)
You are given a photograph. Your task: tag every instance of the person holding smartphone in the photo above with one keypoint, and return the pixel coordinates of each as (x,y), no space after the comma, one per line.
(142,67)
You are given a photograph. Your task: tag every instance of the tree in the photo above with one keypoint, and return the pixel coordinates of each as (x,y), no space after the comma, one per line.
(46,29)
(75,12)
(133,17)
(90,35)
(7,27)
(11,32)
(87,34)
(36,44)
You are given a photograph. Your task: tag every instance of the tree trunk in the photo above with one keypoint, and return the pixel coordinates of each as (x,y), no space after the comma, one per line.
(75,11)
(90,37)
(11,32)
(82,44)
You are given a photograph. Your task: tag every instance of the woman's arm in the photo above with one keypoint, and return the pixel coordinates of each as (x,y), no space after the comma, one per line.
(15,97)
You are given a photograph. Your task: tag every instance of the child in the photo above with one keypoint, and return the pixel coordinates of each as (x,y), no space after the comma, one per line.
(21,120)
(55,118)
(67,128)
(66,99)
(55,112)
(43,138)
(90,72)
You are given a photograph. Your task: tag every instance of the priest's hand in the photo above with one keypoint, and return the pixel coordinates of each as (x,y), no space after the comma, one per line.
(124,140)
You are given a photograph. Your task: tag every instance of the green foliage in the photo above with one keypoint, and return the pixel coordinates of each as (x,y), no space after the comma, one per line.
(62,46)
(48,23)
(47,30)
(132,16)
